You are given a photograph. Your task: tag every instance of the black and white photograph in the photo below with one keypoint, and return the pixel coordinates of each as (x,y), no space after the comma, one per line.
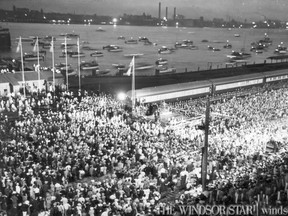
(143,108)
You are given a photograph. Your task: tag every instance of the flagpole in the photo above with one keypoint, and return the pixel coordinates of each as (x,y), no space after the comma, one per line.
(38,63)
(133,84)
(53,63)
(66,61)
(22,65)
(79,69)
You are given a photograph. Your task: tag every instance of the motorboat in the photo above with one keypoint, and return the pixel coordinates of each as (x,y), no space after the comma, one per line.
(46,45)
(210,48)
(92,65)
(41,52)
(281,49)
(49,38)
(143,39)
(100,29)
(236,35)
(131,41)
(32,57)
(261,44)
(184,44)
(149,43)
(120,67)
(258,51)
(134,54)
(238,55)
(88,48)
(116,65)
(72,35)
(63,66)
(143,66)
(216,49)
(68,45)
(165,50)
(227,46)
(121,38)
(111,46)
(167,70)
(193,47)
(115,49)
(161,61)
(76,54)
(97,54)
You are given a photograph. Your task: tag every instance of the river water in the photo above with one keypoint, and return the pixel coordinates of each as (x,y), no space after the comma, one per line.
(181,59)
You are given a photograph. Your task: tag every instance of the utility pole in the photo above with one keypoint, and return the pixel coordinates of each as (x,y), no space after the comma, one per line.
(205,147)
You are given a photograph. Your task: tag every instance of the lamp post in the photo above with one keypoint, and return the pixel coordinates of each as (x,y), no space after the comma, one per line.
(205,147)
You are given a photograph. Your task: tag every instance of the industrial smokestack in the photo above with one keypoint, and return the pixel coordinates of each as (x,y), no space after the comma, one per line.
(159,12)
(167,13)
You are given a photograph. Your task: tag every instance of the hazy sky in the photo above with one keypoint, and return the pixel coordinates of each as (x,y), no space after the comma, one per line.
(249,9)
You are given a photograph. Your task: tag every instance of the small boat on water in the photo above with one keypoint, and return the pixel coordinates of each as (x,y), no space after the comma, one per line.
(72,35)
(238,55)
(134,54)
(184,44)
(227,46)
(49,38)
(46,45)
(131,41)
(193,47)
(143,66)
(210,48)
(166,70)
(281,49)
(161,61)
(115,49)
(149,43)
(143,39)
(32,57)
(92,65)
(116,65)
(121,38)
(97,54)
(68,45)
(236,35)
(76,54)
(165,50)
(120,67)
(63,66)
(100,29)
(258,51)
(42,52)
(88,48)
(216,49)
(110,46)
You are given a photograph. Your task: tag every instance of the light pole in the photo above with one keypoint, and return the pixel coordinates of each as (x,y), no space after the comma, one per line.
(205,147)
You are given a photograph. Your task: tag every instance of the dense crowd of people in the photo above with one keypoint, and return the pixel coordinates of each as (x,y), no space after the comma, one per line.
(85,154)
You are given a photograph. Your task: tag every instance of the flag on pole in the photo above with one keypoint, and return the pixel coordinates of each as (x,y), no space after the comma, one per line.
(18,46)
(131,66)
(35,48)
(51,46)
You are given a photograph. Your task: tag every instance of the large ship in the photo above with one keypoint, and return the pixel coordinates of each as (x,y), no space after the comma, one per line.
(5,39)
